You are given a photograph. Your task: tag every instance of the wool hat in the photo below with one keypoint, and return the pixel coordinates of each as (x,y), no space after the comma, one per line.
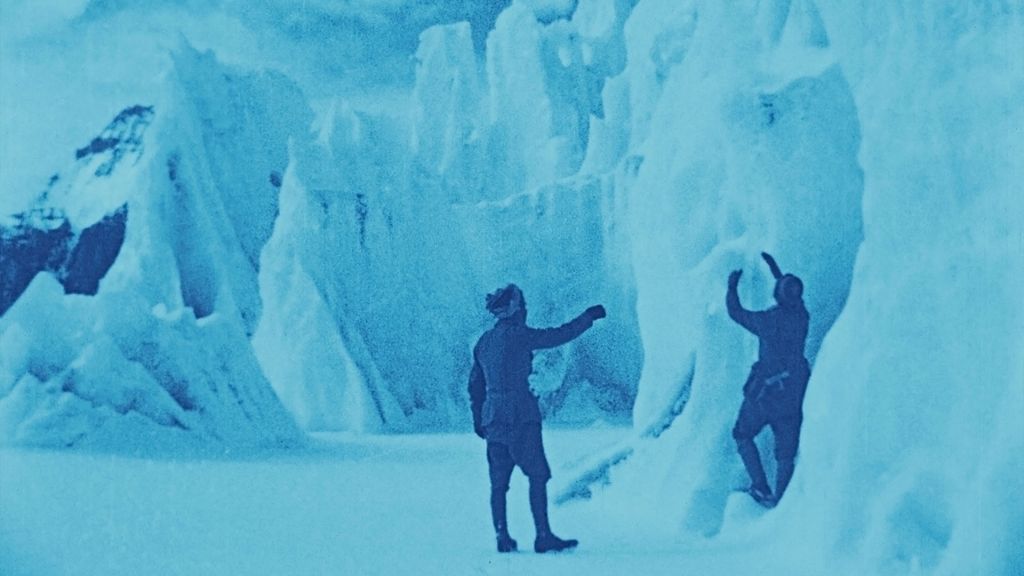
(505,302)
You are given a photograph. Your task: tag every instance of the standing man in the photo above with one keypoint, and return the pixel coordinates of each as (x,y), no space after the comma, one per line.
(774,392)
(506,413)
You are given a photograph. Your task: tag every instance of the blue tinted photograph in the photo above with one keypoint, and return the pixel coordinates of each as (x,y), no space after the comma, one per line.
(512,287)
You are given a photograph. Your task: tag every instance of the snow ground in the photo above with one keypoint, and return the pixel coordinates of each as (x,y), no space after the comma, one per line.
(413,504)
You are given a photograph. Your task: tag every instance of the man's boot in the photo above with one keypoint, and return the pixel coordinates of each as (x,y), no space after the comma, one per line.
(505,542)
(759,489)
(498,514)
(783,474)
(546,541)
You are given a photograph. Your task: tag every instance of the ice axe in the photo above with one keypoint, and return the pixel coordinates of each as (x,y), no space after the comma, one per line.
(776,271)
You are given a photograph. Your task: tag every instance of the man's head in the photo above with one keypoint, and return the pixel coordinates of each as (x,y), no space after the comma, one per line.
(789,290)
(507,302)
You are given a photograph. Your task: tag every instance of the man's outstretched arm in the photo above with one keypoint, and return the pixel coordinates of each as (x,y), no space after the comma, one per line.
(552,337)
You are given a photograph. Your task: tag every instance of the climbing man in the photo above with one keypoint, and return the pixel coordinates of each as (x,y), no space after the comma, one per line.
(506,413)
(774,392)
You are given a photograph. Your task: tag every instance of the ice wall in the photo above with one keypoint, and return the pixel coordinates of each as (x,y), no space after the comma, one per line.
(545,222)
(564,245)
(160,354)
(380,252)
(913,414)
(872,149)
(397,226)
(244,123)
(332,284)
(544,84)
(731,132)
(737,157)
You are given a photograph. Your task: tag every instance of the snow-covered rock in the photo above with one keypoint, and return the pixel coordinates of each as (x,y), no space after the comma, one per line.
(160,344)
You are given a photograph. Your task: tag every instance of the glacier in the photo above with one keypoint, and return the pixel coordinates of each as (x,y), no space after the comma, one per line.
(161,351)
(312,221)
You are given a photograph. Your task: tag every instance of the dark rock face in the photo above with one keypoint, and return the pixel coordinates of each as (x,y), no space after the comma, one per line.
(122,137)
(44,241)
(38,241)
(95,252)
